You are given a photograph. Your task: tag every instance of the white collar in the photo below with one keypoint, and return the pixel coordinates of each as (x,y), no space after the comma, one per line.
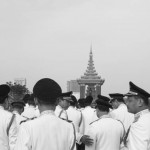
(105,116)
(58,106)
(72,107)
(15,112)
(139,114)
(88,107)
(1,107)
(31,106)
(47,112)
(122,104)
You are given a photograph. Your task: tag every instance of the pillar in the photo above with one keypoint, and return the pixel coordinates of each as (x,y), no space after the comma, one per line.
(98,89)
(82,90)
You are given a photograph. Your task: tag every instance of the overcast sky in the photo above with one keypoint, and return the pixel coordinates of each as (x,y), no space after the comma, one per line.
(52,38)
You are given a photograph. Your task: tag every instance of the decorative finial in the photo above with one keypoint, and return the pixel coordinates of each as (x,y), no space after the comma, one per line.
(91,48)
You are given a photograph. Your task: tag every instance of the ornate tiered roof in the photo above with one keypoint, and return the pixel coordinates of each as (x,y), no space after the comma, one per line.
(90,75)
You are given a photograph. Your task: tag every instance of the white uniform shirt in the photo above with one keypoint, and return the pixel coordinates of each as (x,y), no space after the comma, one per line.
(122,114)
(106,133)
(76,117)
(7,142)
(46,132)
(19,118)
(60,112)
(88,116)
(30,112)
(139,134)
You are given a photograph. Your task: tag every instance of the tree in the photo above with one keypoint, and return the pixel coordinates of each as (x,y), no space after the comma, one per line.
(17,89)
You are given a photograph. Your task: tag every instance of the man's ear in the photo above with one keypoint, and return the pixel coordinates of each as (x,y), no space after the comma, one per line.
(140,102)
(116,101)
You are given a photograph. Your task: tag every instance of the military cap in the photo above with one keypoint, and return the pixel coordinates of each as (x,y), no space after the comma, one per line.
(103,101)
(117,96)
(47,90)
(137,91)
(66,96)
(103,98)
(4,90)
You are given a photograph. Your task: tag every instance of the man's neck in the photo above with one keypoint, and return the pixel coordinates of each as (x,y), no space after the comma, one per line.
(18,111)
(2,106)
(46,107)
(102,113)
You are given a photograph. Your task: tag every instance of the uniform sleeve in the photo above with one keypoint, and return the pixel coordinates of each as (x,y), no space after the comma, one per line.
(78,137)
(72,137)
(13,135)
(138,137)
(23,140)
(93,135)
(80,131)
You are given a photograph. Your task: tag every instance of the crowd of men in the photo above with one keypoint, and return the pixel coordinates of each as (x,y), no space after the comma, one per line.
(51,120)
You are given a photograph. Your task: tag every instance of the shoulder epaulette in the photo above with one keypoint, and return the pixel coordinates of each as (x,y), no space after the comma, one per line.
(23,121)
(25,117)
(95,121)
(66,120)
(28,119)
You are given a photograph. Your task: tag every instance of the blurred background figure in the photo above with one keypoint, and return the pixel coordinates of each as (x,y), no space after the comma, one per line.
(75,116)
(31,111)
(63,105)
(8,128)
(81,104)
(17,109)
(120,111)
(25,99)
(88,116)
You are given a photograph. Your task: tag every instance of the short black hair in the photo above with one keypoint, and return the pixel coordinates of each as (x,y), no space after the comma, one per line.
(88,100)
(102,108)
(74,101)
(81,102)
(30,100)
(2,99)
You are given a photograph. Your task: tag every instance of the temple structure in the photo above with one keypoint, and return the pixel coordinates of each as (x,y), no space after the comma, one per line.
(90,83)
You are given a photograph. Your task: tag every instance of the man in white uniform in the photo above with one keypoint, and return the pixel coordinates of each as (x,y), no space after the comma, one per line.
(47,132)
(106,132)
(63,104)
(8,128)
(31,111)
(75,116)
(120,111)
(17,109)
(88,116)
(138,135)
